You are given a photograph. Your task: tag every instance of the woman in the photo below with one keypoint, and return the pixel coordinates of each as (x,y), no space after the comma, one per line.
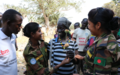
(103,54)
(59,48)
(35,53)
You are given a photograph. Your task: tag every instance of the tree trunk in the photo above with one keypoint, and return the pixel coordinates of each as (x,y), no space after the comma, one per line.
(46,21)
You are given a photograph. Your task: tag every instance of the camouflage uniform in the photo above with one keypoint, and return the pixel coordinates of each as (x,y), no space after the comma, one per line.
(41,57)
(105,48)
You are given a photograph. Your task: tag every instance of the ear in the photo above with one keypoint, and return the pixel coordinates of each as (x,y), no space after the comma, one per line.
(32,34)
(98,25)
(8,22)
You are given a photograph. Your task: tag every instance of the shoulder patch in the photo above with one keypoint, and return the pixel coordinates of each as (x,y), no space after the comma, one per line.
(45,49)
(89,54)
(100,61)
(33,61)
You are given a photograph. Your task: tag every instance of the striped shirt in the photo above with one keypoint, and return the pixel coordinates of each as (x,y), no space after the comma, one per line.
(58,54)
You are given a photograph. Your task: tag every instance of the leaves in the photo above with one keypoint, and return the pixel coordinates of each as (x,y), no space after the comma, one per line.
(113,5)
(46,11)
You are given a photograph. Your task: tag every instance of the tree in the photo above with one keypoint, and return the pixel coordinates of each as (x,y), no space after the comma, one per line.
(50,9)
(113,5)
(23,10)
(46,11)
(110,5)
(116,1)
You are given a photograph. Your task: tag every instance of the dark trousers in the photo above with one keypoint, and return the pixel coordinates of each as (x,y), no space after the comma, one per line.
(80,64)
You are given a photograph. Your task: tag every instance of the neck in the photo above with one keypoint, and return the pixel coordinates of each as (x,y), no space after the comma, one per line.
(64,38)
(34,42)
(6,31)
(77,27)
(100,33)
(83,28)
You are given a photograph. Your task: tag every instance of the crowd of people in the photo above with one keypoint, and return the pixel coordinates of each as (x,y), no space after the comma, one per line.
(92,49)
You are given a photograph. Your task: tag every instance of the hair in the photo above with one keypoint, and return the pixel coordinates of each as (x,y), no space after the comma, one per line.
(105,17)
(85,19)
(10,14)
(77,24)
(30,27)
(59,24)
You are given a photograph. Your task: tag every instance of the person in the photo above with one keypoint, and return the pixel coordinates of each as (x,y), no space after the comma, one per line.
(59,48)
(81,35)
(11,25)
(35,53)
(42,36)
(89,43)
(0,19)
(56,34)
(102,56)
(1,26)
(115,33)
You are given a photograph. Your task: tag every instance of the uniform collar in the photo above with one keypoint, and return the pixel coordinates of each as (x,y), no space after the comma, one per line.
(29,43)
(102,36)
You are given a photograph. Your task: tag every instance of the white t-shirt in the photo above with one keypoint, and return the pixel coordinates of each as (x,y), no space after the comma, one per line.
(82,37)
(8,61)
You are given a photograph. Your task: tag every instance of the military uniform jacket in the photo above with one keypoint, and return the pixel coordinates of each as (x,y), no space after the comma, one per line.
(36,59)
(102,56)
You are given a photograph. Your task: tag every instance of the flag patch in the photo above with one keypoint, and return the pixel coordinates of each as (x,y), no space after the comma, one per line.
(100,61)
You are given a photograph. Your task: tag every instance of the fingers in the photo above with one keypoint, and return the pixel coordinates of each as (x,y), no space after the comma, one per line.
(78,56)
(67,59)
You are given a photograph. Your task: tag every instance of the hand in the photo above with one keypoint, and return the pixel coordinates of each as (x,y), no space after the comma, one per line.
(51,72)
(79,57)
(65,61)
(70,54)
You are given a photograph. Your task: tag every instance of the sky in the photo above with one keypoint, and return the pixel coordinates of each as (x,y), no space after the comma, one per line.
(72,15)
(86,7)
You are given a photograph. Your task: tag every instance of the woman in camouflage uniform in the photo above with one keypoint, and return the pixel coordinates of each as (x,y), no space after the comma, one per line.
(103,54)
(35,53)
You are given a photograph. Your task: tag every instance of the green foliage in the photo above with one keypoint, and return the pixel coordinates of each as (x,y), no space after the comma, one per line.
(71,26)
(116,1)
(23,10)
(46,11)
(113,5)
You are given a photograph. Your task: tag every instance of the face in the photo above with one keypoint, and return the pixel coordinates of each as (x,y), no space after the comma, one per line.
(15,27)
(61,30)
(84,24)
(37,35)
(75,27)
(92,28)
